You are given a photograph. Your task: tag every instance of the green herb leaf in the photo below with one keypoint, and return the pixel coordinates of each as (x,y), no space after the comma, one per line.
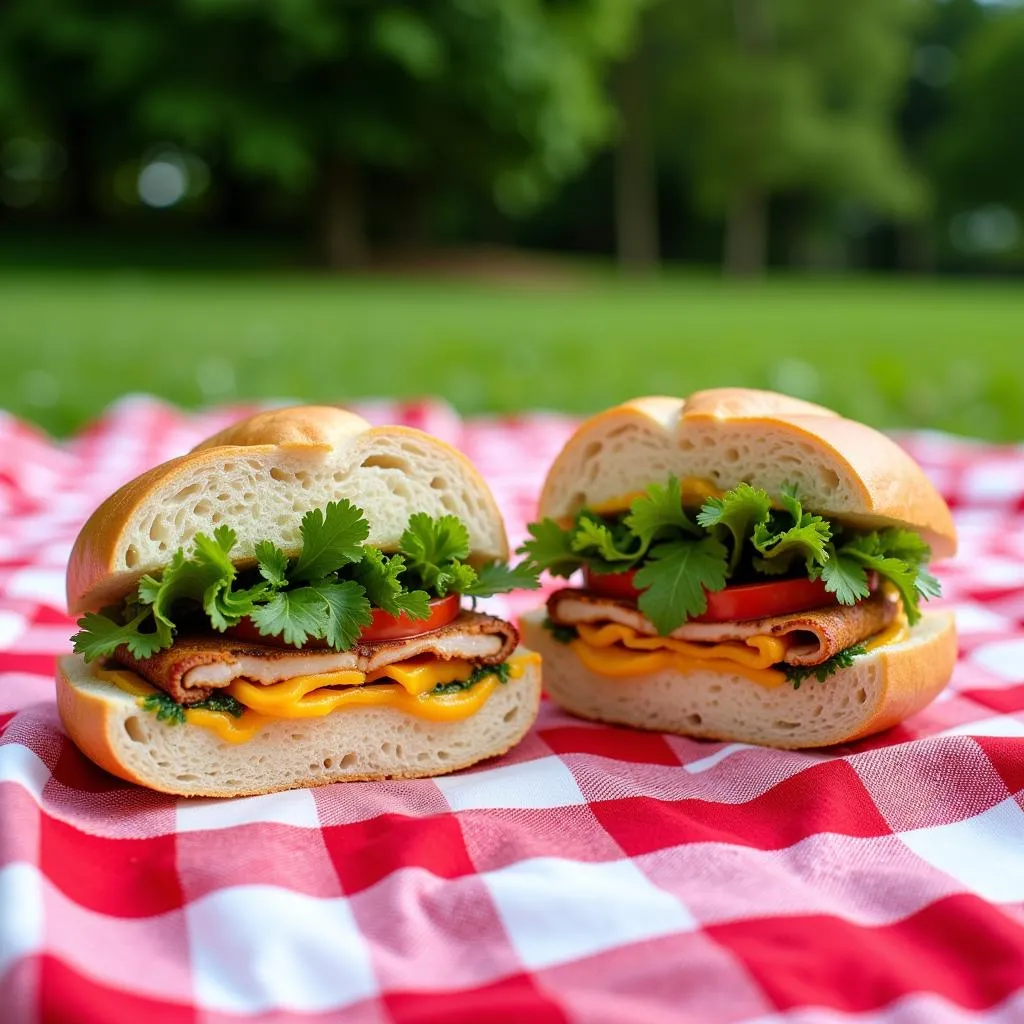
(927,585)
(205,578)
(100,635)
(481,672)
(658,513)
(330,539)
(594,538)
(428,543)
(348,612)
(499,578)
(796,674)
(550,547)
(272,563)
(456,578)
(675,578)
(779,545)
(869,550)
(336,612)
(295,614)
(222,702)
(905,545)
(168,710)
(165,707)
(739,511)
(845,577)
(380,576)
(563,634)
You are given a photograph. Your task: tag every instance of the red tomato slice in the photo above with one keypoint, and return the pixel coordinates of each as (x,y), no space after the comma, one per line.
(384,626)
(743,601)
(401,627)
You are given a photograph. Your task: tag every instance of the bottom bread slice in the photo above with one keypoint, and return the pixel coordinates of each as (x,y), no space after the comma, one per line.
(350,744)
(880,689)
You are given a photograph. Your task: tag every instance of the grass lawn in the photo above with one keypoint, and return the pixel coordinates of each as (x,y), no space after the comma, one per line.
(945,354)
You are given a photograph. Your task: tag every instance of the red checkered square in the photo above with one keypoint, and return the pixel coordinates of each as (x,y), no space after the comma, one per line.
(117,877)
(825,797)
(365,852)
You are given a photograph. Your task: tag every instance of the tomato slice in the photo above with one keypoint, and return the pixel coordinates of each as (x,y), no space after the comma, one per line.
(401,627)
(743,601)
(384,626)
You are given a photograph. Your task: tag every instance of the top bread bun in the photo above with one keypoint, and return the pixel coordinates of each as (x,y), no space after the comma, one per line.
(842,469)
(260,477)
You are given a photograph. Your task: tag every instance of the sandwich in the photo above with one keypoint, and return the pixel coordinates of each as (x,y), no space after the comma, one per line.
(752,568)
(291,604)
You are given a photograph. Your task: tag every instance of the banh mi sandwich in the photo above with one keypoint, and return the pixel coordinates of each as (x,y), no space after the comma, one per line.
(288,605)
(753,569)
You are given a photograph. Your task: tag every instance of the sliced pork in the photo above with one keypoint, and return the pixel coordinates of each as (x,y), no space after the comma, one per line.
(196,665)
(813,636)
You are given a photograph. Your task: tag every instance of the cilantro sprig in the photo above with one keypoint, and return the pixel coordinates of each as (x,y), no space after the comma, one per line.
(796,674)
(740,536)
(168,710)
(328,591)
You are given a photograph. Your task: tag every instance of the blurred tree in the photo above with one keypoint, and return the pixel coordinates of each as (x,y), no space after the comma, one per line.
(502,96)
(760,97)
(980,150)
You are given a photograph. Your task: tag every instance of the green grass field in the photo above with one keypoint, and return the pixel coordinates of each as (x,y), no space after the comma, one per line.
(944,354)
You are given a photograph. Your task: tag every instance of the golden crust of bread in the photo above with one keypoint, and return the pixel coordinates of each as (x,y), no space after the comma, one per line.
(884,484)
(95,713)
(96,576)
(878,691)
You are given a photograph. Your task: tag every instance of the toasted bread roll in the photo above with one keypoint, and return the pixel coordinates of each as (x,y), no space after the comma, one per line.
(842,469)
(108,726)
(259,476)
(879,690)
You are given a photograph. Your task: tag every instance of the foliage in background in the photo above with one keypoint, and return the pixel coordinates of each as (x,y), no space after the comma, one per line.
(775,98)
(981,154)
(877,133)
(497,96)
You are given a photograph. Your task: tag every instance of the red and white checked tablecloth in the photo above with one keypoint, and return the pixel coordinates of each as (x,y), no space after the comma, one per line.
(593,874)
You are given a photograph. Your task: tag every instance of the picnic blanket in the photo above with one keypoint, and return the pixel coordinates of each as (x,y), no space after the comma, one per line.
(593,874)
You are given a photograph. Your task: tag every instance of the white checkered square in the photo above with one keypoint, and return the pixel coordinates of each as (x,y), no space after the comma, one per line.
(545,782)
(560,910)
(983,853)
(256,949)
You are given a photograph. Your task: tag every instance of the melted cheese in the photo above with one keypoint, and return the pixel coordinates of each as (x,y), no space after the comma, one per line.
(226,726)
(756,652)
(617,650)
(620,661)
(318,695)
(895,633)
(314,696)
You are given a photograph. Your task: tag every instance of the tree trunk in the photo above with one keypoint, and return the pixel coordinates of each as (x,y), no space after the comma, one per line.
(344,222)
(636,196)
(746,240)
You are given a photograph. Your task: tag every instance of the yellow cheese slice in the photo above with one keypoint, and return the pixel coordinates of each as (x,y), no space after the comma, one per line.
(754,652)
(314,696)
(619,661)
(617,650)
(895,633)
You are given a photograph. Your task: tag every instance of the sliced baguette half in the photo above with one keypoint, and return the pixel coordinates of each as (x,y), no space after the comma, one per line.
(355,744)
(879,690)
(842,469)
(260,476)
